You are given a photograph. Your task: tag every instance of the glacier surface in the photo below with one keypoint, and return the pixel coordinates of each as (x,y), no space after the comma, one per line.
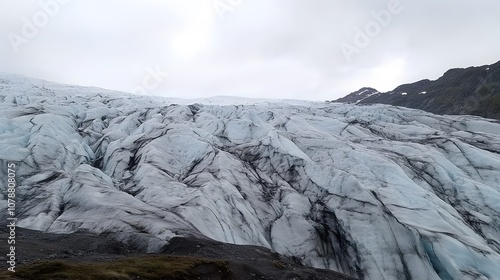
(376,192)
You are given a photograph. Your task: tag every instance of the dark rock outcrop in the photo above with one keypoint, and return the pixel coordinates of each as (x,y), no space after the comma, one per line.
(469,91)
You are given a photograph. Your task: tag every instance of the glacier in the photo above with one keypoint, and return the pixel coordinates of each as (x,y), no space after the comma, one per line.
(373,191)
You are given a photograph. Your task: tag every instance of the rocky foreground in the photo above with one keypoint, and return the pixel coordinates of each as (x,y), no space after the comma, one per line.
(44,255)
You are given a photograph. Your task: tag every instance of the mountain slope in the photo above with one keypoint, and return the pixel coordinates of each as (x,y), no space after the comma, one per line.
(376,192)
(358,96)
(470,91)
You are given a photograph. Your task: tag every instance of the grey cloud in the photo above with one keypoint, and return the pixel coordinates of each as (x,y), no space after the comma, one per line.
(281,49)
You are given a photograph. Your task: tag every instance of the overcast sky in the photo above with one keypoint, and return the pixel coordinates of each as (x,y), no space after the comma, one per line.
(298,49)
